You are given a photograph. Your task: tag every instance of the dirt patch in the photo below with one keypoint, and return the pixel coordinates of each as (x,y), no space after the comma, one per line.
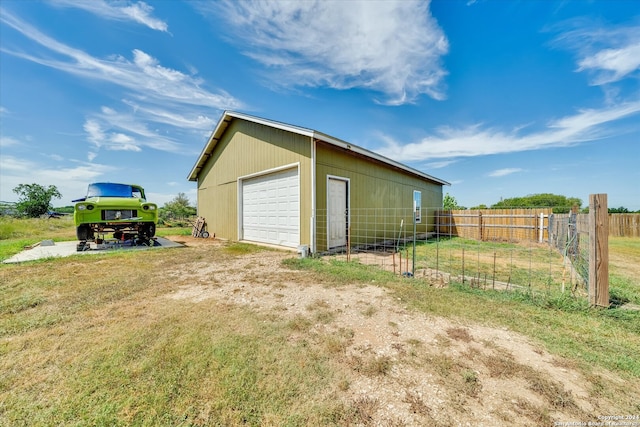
(401,367)
(194,241)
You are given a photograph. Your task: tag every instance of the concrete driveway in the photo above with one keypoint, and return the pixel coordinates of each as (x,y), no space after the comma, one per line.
(49,249)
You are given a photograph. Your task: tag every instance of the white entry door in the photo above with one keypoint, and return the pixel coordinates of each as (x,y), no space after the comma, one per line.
(337,208)
(271,208)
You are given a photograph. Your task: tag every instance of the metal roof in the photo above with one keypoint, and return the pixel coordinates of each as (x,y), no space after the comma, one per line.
(229,116)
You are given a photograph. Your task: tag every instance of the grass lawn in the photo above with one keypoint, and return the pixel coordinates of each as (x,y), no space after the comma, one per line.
(529,265)
(94,340)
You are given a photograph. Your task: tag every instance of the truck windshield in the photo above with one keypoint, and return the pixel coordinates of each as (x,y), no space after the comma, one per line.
(107,189)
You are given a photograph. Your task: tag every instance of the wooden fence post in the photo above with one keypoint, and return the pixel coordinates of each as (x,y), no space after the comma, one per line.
(598,250)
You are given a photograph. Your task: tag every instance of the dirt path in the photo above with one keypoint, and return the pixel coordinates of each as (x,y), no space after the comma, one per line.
(402,367)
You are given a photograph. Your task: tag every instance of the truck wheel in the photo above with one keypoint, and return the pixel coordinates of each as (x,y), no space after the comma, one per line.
(84,232)
(149,230)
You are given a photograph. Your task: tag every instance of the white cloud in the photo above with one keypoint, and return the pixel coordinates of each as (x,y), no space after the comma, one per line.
(122,142)
(139,12)
(612,64)
(70,181)
(109,140)
(37,170)
(129,131)
(609,54)
(586,125)
(95,133)
(440,164)
(189,119)
(504,172)
(391,47)
(143,76)
(11,163)
(7,141)
(176,101)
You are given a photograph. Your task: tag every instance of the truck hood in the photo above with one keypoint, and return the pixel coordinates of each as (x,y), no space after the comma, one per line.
(116,202)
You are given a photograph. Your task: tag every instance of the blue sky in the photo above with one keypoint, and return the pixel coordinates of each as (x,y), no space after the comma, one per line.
(499,98)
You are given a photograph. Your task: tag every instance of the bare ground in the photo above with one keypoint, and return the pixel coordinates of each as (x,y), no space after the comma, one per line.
(403,367)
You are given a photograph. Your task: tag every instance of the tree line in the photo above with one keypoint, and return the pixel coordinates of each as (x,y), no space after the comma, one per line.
(559,203)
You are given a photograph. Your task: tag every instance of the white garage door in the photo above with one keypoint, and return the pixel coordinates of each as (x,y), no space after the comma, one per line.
(271,208)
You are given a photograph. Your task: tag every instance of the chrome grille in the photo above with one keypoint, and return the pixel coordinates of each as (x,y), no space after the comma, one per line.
(114,215)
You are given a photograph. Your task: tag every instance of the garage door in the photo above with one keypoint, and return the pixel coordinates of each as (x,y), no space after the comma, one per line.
(271,208)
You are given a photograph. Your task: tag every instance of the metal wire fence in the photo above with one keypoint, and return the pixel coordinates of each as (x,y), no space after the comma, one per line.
(521,251)
(569,234)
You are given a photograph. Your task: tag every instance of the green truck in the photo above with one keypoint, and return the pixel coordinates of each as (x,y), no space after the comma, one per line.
(119,208)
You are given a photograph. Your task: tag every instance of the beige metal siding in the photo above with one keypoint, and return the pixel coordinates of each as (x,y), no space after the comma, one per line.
(372,185)
(247,148)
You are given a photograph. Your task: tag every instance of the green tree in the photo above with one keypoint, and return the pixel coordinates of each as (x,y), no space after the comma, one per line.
(35,200)
(621,209)
(559,203)
(179,207)
(450,203)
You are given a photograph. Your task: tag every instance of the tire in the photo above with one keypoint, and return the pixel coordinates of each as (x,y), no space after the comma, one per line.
(205,234)
(84,232)
(149,230)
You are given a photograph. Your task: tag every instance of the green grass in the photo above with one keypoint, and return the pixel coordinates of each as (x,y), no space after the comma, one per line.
(16,234)
(191,370)
(96,341)
(625,246)
(624,270)
(173,231)
(566,325)
(169,374)
(242,248)
(92,341)
(533,266)
(342,272)
(36,228)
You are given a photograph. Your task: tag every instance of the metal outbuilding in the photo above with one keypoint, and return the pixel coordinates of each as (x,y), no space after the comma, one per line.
(269,182)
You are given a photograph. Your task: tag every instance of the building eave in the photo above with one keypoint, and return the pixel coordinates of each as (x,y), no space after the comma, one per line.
(229,116)
(375,156)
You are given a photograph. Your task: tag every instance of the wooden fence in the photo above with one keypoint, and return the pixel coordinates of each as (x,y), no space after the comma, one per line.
(495,224)
(518,224)
(624,225)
